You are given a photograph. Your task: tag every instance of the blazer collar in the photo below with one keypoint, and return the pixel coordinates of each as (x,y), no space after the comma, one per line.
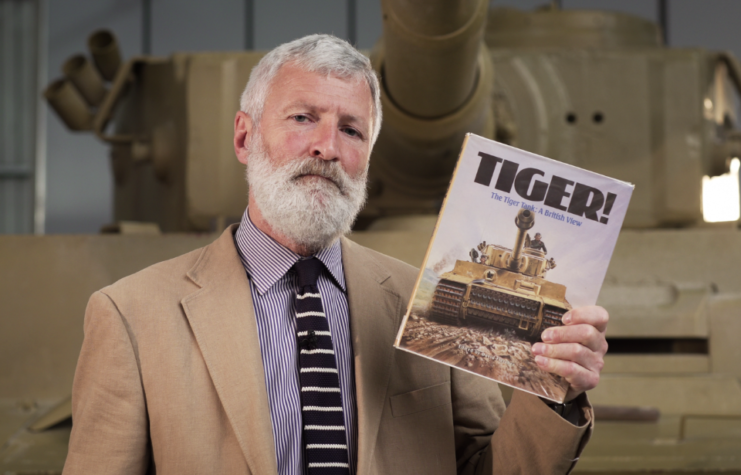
(221,315)
(375,314)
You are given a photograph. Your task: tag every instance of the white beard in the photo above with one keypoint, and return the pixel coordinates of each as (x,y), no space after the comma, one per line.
(311,212)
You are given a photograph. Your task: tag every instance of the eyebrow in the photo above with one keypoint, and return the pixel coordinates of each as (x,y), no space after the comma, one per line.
(312,108)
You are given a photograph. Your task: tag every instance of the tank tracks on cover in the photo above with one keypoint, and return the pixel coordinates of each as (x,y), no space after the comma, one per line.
(489,305)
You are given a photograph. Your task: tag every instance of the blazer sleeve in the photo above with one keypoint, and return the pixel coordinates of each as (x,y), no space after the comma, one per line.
(529,437)
(109,416)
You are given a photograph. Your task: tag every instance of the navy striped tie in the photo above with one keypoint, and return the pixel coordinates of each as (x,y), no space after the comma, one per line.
(325,444)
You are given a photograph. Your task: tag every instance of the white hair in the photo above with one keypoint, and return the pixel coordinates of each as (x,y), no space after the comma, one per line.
(325,54)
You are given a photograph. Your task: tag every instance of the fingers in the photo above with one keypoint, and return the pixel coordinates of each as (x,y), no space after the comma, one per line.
(578,364)
(590,315)
(585,325)
(580,379)
(583,334)
(575,350)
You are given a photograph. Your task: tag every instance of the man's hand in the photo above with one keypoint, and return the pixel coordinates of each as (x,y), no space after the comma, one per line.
(576,350)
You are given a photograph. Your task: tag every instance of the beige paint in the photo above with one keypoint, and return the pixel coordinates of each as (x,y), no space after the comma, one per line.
(703,394)
(656,365)
(45,283)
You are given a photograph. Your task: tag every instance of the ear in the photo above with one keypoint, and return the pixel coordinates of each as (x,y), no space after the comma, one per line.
(243,127)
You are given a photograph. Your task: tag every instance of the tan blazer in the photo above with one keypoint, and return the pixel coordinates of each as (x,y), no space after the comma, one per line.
(170,379)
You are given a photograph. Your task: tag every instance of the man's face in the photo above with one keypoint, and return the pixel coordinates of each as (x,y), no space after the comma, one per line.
(313,115)
(307,160)
(537,236)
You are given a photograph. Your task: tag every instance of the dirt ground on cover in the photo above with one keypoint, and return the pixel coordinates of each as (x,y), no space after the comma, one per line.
(497,354)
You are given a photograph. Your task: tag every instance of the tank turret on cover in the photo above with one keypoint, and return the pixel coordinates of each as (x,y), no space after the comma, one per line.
(503,286)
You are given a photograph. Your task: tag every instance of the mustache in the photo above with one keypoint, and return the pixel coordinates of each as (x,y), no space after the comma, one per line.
(332,171)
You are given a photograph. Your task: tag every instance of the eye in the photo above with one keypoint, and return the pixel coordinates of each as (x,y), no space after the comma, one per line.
(351,132)
(300,118)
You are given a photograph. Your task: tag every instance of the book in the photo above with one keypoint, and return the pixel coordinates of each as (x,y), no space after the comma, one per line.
(521,239)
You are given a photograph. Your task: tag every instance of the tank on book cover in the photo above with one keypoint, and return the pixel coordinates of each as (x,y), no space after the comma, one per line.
(502,286)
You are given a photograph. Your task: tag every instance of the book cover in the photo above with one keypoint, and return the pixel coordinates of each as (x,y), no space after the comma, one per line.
(520,240)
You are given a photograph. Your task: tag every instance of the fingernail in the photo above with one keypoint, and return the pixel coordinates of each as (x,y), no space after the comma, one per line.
(567,318)
(540,360)
(547,335)
(538,348)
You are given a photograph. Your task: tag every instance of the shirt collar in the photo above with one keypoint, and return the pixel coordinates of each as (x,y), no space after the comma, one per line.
(266,261)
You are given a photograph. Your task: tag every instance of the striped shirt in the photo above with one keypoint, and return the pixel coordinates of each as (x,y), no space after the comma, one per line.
(273,288)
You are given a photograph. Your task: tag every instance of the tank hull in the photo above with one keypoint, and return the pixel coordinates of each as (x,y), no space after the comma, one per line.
(456,302)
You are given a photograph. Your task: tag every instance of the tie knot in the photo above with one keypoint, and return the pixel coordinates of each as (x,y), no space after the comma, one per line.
(308,271)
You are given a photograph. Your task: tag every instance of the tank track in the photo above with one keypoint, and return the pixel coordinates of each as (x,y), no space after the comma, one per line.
(446,302)
(552,316)
(504,308)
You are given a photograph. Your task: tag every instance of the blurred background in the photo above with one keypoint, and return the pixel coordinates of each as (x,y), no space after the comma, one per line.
(56,181)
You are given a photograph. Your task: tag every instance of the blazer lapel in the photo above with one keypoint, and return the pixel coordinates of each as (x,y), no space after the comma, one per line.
(375,312)
(222,317)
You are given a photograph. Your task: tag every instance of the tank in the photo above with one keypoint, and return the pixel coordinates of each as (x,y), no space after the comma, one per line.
(592,88)
(548,81)
(503,286)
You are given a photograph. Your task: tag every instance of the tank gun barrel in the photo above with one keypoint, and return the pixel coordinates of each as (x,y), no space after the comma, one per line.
(432,48)
(524,220)
(437,81)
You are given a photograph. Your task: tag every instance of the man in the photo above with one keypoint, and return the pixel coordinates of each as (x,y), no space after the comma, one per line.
(538,244)
(198,364)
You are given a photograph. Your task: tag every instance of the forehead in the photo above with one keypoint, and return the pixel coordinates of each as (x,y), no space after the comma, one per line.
(294,85)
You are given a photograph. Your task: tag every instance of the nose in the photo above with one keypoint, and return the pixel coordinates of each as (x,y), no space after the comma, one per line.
(325,144)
